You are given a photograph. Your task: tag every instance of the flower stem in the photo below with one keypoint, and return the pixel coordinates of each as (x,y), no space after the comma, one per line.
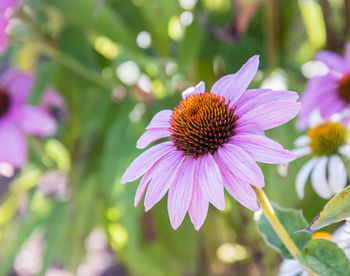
(278,227)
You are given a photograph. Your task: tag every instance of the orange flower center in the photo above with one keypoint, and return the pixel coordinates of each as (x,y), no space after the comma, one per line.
(344,88)
(326,138)
(4,102)
(201,123)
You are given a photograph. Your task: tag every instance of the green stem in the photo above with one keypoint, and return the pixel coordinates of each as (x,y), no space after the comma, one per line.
(47,49)
(278,227)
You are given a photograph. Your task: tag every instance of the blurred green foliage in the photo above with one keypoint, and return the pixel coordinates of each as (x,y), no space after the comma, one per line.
(79,47)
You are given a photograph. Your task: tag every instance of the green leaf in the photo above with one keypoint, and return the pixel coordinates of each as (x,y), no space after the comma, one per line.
(106,22)
(326,258)
(55,226)
(337,209)
(43,77)
(292,220)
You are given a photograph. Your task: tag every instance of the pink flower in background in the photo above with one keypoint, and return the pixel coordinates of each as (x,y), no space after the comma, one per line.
(18,118)
(329,93)
(215,140)
(7,8)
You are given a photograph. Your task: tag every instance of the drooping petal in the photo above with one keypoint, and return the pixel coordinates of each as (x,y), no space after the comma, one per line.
(241,164)
(161,120)
(302,151)
(247,127)
(319,180)
(317,91)
(263,149)
(18,84)
(150,136)
(290,267)
(272,114)
(145,161)
(347,53)
(198,89)
(210,180)
(33,120)
(199,204)
(180,192)
(302,141)
(239,189)
(13,147)
(337,176)
(332,60)
(265,98)
(345,150)
(303,175)
(231,87)
(250,94)
(142,186)
(162,174)
(315,118)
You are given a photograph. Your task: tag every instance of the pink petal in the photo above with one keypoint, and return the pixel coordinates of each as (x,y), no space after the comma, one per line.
(247,127)
(333,61)
(210,180)
(198,89)
(13,149)
(161,120)
(347,53)
(180,192)
(318,89)
(33,120)
(198,208)
(263,149)
(142,187)
(241,164)
(249,95)
(272,114)
(162,174)
(232,86)
(239,189)
(145,161)
(18,84)
(265,98)
(150,136)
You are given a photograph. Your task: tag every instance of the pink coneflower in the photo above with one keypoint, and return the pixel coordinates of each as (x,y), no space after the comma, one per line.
(7,8)
(215,139)
(18,118)
(329,93)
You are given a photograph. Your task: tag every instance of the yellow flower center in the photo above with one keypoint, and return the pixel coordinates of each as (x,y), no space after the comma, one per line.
(326,138)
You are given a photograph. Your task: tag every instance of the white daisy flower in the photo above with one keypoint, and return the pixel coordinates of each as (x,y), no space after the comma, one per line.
(326,142)
(341,236)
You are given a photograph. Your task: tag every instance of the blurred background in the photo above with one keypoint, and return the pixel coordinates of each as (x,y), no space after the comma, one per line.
(116,63)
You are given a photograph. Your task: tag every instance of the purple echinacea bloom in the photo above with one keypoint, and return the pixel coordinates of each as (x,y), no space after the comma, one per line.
(18,118)
(215,139)
(330,93)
